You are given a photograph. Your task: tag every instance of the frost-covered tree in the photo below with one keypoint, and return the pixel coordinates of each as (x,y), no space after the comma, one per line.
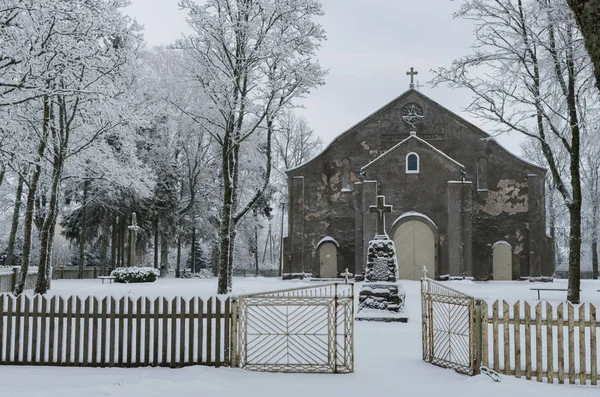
(182,146)
(251,58)
(82,55)
(530,73)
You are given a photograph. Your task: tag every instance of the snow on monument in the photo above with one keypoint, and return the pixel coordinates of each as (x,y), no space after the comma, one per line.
(381,297)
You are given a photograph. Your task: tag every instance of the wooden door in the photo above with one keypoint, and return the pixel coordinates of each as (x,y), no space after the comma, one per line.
(328,259)
(415,248)
(502,261)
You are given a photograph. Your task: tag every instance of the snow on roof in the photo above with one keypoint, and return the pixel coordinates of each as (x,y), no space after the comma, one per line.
(328,239)
(412,136)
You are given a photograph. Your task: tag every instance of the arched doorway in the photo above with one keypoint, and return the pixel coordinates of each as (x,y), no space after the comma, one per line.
(502,261)
(328,260)
(415,247)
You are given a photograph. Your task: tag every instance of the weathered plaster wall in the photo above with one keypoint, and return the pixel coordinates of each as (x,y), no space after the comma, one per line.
(425,192)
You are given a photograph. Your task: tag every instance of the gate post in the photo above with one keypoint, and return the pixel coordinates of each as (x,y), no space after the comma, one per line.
(235,359)
(335,330)
(478,338)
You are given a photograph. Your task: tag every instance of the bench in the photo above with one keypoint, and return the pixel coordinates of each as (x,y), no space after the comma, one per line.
(109,278)
(548,289)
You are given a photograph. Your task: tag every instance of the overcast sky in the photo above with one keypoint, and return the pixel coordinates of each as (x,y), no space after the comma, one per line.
(371,45)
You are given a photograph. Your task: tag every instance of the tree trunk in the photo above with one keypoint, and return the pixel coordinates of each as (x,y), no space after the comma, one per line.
(595,258)
(164,256)
(224,245)
(595,216)
(82,234)
(114,243)
(15,223)
(122,232)
(156,242)
(193,252)
(214,258)
(30,207)
(2,173)
(256,245)
(48,227)
(574,253)
(587,15)
(226,229)
(104,246)
(178,268)
(127,232)
(575,205)
(231,258)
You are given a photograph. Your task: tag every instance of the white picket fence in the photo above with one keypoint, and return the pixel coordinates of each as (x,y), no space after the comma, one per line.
(545,341)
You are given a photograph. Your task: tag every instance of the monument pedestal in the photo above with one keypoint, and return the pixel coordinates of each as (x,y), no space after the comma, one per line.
(381,297)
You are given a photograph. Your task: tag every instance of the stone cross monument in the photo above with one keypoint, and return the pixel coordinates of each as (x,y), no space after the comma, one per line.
(381,208)
(381,297)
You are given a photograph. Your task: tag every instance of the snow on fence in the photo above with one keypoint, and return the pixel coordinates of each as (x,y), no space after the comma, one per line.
(543,343)
(465,334)
(127,332)
(8,278)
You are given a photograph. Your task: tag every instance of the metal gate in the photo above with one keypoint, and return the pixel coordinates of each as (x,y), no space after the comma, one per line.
(296,330)
(448,327)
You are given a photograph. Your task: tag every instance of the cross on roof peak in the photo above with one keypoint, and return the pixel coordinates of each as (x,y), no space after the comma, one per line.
(412,73)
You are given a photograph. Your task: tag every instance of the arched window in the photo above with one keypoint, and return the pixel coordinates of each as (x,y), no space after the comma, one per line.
(482,183)
(346,174)
(412,163)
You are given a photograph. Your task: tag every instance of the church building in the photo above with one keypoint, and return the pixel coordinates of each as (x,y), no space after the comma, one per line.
(463,206)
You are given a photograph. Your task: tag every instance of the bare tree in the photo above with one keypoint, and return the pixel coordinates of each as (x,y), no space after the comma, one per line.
(295,142)
(534,79)
(251,58)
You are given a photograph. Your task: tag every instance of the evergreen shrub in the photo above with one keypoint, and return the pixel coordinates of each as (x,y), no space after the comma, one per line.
(135,274)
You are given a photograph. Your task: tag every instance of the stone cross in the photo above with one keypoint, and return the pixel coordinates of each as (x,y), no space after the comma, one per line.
(346,275)
(412,75)
(380,208)
(134,229)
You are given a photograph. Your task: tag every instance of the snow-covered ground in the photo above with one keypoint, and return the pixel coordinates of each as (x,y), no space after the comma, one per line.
(387,358)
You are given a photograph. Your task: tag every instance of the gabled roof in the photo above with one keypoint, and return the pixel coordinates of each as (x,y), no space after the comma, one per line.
(413,137)
(481,132)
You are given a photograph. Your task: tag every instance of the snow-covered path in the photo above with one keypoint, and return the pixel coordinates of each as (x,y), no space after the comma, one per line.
(388,360)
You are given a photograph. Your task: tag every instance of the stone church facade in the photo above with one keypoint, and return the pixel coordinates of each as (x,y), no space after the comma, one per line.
(463,206)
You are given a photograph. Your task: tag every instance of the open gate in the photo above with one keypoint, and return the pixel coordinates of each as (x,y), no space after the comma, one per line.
(448,318)
(309,329)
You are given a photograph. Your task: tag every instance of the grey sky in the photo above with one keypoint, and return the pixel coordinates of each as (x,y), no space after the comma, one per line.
(371,44)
